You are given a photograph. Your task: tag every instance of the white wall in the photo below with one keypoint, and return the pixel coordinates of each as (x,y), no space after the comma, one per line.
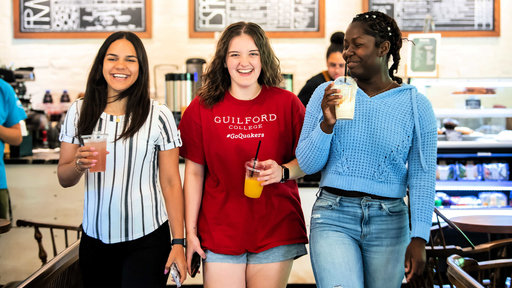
(64,63)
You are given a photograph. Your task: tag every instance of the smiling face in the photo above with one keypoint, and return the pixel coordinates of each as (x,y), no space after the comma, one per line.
(243,62)
(120,66)
(336,65)
(363,59)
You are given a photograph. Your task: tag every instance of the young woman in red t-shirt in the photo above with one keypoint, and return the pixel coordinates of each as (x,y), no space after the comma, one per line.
(245,242)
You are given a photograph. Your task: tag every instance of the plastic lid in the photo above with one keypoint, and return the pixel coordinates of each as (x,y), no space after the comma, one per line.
(47,91)
(65,91)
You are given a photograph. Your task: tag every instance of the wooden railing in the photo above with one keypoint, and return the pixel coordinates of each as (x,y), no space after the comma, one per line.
(61,271)
(39,236)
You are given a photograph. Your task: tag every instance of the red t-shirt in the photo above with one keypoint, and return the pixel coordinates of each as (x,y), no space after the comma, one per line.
(223,138)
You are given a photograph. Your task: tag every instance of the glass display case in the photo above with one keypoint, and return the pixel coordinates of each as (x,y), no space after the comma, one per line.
(474,118)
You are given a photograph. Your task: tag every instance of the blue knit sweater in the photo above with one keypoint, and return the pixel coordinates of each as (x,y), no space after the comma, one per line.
(391,144)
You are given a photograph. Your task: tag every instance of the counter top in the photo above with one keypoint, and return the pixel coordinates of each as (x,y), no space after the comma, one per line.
(42,156)
(46,157)
(474,144)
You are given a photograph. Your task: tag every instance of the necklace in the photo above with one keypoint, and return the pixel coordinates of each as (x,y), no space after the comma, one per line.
(110,110)
(383,90)
(252,97)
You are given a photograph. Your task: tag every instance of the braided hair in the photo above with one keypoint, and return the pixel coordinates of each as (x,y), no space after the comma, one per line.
(383,28)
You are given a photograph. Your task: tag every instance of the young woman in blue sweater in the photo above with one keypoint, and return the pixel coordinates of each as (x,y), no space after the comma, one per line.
(360,233)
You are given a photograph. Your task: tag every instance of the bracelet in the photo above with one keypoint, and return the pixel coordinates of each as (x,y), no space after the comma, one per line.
(179,241)
(78,169)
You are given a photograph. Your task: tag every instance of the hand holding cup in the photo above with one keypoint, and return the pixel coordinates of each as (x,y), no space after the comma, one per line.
(83,158)
(271,172)
(331,98)
(97,147)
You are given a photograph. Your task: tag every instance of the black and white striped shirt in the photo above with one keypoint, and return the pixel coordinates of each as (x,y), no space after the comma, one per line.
(125,202)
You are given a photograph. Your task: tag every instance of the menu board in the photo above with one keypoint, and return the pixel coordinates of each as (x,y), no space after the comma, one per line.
(80,18)
(450,17)
(279,18)
(422,55)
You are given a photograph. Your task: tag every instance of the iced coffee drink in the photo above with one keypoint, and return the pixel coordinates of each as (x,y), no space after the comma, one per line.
(348,89)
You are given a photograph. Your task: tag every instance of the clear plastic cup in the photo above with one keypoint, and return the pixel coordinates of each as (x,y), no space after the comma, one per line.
(348,87)
(99,142)
(252,187)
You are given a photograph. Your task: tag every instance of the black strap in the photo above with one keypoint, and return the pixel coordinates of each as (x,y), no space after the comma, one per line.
(179,241)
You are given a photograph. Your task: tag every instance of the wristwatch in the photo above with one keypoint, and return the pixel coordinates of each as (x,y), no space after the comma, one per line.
(179,241)
(285,174)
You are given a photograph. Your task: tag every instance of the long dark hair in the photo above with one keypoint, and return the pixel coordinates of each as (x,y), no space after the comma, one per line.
(336,43)
(383,28)
(95,98)
(216,78)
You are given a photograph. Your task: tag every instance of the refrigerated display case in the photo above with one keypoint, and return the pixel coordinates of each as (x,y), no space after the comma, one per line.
(474,170)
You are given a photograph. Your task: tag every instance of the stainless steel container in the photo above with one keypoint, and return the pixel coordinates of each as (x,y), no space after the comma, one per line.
(195,66)
(178,93)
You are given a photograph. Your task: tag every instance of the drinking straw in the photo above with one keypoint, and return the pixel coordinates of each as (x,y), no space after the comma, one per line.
(255,157)
(346,70)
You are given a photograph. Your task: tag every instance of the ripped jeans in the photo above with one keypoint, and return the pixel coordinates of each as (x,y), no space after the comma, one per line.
(358,242)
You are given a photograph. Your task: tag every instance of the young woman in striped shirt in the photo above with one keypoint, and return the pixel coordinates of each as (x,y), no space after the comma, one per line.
(128,208)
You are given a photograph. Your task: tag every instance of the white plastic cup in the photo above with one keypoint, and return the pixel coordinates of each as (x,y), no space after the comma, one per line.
(348,89)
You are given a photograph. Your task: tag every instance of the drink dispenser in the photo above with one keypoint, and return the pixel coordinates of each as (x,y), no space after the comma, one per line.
(195,66)
(178,93)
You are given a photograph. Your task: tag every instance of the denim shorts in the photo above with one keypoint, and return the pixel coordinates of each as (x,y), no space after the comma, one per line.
(272,255)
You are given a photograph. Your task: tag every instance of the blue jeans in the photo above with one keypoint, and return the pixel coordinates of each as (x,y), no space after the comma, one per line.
(272,255)
(358,242)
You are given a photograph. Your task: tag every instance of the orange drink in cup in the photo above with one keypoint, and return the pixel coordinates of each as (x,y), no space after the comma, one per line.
(99,142)
(348,86)
(252,187)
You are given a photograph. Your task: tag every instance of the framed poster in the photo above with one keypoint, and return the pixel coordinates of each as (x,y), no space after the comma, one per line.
(279,18)
(422,56)
(80,18)
(460,18)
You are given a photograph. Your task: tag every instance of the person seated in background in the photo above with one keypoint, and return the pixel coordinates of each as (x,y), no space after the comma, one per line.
(11,113)
(335,68)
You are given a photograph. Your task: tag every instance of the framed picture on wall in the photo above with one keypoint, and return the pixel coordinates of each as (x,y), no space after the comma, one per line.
(279,18)
(80,19)
(450,18)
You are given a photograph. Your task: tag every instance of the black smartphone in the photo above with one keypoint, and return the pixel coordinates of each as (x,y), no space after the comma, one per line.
(195,264)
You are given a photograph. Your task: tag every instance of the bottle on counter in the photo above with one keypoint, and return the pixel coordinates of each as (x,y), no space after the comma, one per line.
(64,101)
(47,98)
(52,111)
(65,97)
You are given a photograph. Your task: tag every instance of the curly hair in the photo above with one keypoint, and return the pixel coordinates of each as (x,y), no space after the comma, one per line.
(216,78)
(383,28)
